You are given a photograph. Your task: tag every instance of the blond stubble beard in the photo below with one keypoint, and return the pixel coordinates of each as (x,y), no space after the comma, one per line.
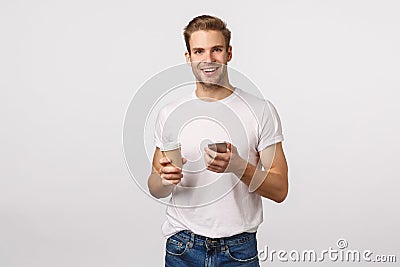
(213,85)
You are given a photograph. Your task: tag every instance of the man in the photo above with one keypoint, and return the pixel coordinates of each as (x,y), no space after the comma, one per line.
(215,211)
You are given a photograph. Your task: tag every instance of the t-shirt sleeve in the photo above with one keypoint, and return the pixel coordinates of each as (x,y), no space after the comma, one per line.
(270,127)
(159,128)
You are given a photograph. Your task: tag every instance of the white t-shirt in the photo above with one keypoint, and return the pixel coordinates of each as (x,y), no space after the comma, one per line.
(204,202)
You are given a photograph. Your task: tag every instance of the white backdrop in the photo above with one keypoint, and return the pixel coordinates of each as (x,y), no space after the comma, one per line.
(70,68)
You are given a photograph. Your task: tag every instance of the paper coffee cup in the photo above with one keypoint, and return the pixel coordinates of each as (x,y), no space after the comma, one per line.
(172,151)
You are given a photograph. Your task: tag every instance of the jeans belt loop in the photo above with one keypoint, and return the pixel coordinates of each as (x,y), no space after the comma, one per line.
(223,247)
(191,241)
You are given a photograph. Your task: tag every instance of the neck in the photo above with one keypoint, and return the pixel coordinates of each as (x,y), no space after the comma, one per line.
(213,92)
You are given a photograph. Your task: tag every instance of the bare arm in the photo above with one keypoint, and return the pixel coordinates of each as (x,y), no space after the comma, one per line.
(163,176)
(272,182)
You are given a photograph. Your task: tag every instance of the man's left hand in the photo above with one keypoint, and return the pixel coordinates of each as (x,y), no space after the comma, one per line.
(229,161)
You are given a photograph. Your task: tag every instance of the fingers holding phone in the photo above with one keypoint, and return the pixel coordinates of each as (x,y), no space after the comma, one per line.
(220,147)
(217,156)
(223,157)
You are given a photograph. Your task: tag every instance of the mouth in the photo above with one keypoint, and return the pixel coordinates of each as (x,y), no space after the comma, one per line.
(209,70)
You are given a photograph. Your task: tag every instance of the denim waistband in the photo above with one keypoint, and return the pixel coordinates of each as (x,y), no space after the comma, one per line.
(187,236)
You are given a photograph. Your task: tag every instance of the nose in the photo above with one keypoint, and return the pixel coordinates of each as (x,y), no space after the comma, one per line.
(208,57)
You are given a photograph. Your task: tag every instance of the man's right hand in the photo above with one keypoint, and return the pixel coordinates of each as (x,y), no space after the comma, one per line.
(164,176)
(170,174)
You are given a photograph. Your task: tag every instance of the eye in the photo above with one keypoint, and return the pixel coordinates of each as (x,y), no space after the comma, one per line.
(218,49)
(197,52)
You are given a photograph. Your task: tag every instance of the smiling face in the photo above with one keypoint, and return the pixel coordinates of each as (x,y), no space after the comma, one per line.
(209,57)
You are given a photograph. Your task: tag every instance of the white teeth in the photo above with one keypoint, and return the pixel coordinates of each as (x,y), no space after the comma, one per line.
(209,70)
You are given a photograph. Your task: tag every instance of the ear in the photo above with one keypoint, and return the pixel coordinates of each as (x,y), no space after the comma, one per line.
(187,56)
(229,53)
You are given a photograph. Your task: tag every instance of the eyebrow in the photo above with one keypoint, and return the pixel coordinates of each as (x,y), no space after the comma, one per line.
(215,46)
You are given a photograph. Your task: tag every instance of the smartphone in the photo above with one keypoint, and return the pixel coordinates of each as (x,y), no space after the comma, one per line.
(219,147)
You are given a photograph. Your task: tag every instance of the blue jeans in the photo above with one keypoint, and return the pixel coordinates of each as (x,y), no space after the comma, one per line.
(188,249)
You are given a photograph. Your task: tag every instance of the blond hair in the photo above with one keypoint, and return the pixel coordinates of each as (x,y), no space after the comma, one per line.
(206,22)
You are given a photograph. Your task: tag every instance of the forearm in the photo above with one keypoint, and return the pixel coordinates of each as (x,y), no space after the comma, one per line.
(269,183)
(157,188)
